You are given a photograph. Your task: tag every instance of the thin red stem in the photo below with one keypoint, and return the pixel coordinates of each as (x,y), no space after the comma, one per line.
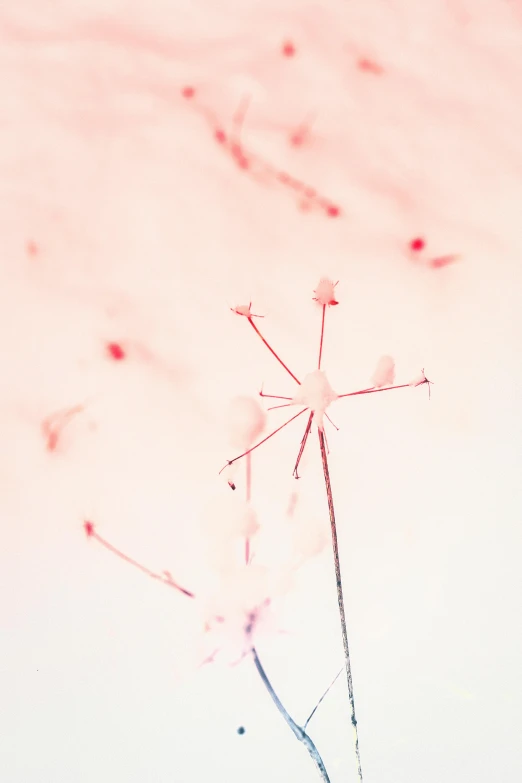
(326,442)
(274,396)
(165,578)
(248,451)
(281,362)
(303,443)
(331,422)
(373,390)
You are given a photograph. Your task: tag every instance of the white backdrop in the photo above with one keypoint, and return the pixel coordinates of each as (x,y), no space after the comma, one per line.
(124,219)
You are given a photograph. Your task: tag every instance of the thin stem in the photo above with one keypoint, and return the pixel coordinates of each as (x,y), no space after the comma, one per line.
(165,577)
(322,336)
(331,422)
(373,390)
(273,396)
(322,697)
(299,733)
(340,599)
(281,362)
(249,451)
(303,444)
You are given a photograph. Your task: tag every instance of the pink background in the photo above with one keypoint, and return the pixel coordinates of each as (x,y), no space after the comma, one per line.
(123,219)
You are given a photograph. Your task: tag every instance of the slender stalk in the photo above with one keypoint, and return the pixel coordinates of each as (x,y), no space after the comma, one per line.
(340,600)
(307,721)
(373,390)
(303,444)
(273,396)
(164,577)
(248,451)
(281,362)
(299,732)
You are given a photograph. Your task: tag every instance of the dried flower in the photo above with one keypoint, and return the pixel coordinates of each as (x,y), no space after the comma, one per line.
(325,293)
(316,394)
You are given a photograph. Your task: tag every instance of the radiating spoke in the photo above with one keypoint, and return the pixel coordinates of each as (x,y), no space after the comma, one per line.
(249,451)
(281,362)
(303,444)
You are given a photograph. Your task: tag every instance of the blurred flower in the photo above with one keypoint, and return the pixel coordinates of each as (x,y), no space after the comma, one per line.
(325,292)
(384,374)
(245,421)
(238,610)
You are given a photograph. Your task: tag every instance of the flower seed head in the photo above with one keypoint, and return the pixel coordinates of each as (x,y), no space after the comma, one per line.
(325,293)
(316,393)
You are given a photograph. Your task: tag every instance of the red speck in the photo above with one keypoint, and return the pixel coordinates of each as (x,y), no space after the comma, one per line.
(332,210)
(239,155)
(52,439)
(89,528)
(54,424)
(369,66)
(441,261)
(188,92)
(220,136)
(417,244)
(32,248)
(300,135)
(116,352)
(288,49)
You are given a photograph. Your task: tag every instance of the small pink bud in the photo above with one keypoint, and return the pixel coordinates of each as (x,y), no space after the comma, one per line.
(325,293)
(242,310)
(419,380)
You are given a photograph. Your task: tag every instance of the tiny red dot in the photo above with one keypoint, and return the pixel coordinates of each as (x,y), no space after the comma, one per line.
(369,65)
(417,244)
(332,211)
(116,351)
(288,49)
(188,92)
(89,528)
(220,136)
